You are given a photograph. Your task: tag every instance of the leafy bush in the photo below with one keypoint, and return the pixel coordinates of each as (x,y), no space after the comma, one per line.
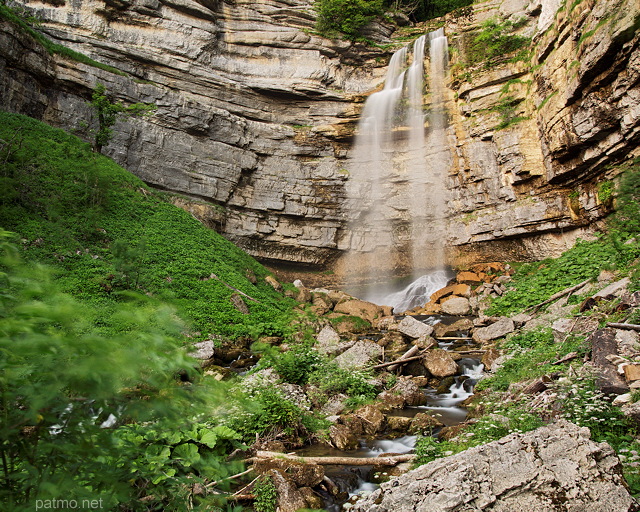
(266,495)
(346,17)
(331,379)
(296,365)
(73,400)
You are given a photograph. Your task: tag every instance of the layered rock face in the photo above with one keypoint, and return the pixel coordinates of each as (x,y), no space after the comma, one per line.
(251,108)
(256,115)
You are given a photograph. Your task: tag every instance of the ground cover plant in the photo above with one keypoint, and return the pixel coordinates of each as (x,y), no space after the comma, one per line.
(106,234)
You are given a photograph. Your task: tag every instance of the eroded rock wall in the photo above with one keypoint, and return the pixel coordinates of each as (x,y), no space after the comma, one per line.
(256,115)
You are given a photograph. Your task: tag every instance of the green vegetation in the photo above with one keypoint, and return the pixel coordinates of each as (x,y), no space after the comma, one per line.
(22,18)
(108,112)
(496,40)
(266,495)
(90,406)
(346,17)
(105,233)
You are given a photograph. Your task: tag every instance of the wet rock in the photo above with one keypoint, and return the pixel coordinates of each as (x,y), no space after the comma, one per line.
(361,354)
(413,328)
(342,438)
(398,424)
(440,363)
(424,424)
(553,468)
(360,308)
(415,369)
(445,385)
(496,330)
(407,390)
(290,499)
(301,474)
(314,501)
(372,418)
(456,306)
(441,329)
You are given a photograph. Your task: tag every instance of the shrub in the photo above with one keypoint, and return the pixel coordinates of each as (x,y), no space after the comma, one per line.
(346,17)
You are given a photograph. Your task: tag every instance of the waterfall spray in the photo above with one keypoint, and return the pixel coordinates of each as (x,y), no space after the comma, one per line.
(396,193)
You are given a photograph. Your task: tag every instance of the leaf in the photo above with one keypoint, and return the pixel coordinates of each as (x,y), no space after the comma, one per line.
(187,452)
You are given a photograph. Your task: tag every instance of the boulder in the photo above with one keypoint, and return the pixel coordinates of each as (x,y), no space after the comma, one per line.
(359,355)
(398,424)
(360,308)
(456,306)
(489,357)
(554,468)
(470,278)
(423,424)
(203,350)
(498,329)
(342,438)
(407,391)
(442,329)
(463,290)
(335,405)
(372,418)
(301,474)
(239,304)
(289,497)
(603,345)
(413,328)
(613,290)
(273,282)
(440,363)
(314,501)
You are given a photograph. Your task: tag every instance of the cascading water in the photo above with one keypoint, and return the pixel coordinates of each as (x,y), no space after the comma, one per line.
(397,172)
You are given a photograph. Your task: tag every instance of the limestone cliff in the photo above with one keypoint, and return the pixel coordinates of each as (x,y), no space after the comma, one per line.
(256,114)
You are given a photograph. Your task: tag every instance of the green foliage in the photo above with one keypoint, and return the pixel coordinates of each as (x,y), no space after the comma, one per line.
(585,405)
(627,219)
(295,365)
(346,17)
(74,209)
(532,354)
(535,282)
(495,40)
(331,380)
(605,192)
(108,112)
(266,495)
(507,110)
(72,399)
(267,413)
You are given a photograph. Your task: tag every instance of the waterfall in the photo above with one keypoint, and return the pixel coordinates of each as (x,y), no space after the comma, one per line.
(396,192)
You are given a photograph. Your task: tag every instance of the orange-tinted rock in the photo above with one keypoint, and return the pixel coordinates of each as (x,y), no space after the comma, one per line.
(470,278)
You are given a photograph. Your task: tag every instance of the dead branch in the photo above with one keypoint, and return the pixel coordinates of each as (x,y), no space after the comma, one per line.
(556,296)
(628,327)
(233,477)
(390,460)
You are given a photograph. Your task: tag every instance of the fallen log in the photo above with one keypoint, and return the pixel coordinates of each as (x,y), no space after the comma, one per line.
(556,296)
(389,460)
(398,362)
(628,327)
(409,353)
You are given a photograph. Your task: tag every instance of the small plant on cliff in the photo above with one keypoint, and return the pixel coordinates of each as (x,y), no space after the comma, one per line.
(108,112)
(497,39)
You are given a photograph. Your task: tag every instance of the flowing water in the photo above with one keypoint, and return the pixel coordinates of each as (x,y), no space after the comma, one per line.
(396,187)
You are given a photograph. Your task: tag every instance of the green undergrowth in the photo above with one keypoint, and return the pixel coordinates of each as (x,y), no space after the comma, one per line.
(618,250)
(106,234)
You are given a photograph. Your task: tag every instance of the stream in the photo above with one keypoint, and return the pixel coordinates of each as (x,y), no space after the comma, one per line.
(444,406)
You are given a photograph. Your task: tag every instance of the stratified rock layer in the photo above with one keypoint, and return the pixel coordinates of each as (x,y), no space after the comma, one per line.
(256,116)
(554,468)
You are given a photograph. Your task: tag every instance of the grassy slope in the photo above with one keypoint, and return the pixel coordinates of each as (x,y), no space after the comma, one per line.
(105,232)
